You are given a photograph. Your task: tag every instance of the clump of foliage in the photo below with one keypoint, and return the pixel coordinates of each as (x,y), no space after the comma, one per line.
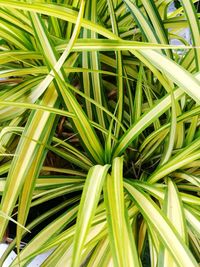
(100,125)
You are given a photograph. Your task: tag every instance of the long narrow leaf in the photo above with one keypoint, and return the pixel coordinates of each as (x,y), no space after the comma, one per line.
(167,234)
(89,201)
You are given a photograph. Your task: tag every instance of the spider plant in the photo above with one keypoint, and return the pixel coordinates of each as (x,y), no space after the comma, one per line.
(99,132)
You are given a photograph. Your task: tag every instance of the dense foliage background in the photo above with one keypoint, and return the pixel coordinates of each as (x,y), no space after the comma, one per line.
(99,132)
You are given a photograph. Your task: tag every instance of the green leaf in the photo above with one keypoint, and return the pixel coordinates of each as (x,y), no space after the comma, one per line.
(173,208)
(122,245)
(89,200)
(165,231)
(46,234)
